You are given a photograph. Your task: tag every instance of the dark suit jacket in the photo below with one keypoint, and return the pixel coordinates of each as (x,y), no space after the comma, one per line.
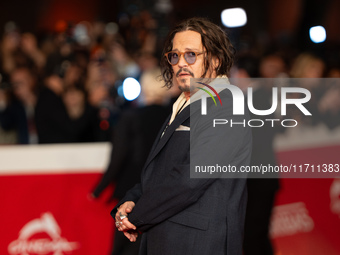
(183,215)
(131,143)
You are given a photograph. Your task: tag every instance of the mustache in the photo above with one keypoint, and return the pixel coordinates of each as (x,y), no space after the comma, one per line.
(184,70)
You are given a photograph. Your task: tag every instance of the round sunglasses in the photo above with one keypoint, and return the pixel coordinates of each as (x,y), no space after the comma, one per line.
(189,56)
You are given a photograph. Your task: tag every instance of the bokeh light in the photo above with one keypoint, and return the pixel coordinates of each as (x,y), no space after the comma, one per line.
(317,34)
(234,17)
(131,88)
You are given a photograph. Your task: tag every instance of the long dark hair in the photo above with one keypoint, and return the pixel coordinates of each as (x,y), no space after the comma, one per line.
(214,40)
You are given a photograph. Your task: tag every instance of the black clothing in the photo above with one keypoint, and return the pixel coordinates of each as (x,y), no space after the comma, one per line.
(55,126)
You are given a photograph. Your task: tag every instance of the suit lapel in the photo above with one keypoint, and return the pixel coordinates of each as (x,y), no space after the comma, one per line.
(157,140)
(184,115)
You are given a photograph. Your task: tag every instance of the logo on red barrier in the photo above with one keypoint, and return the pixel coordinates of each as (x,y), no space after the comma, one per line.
(28,244)
(335,196)
(290,219)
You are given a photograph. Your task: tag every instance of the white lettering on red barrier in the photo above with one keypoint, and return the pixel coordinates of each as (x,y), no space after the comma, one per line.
(46,224)
(334,193)
(290,219)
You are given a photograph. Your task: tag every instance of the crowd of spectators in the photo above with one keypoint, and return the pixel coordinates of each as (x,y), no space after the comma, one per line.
(306,70)
(63,86)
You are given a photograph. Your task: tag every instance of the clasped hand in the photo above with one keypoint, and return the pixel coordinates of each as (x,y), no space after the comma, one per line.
(124,225)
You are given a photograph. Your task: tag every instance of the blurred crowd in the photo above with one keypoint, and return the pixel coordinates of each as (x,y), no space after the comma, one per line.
(65,86)
(305,70)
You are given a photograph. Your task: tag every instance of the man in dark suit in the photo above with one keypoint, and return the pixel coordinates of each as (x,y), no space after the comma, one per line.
(175,213)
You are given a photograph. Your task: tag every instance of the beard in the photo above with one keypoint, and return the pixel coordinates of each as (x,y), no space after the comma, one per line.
(183,86)
(184,83)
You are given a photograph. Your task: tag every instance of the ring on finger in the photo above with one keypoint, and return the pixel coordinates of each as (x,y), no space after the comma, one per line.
(121,217)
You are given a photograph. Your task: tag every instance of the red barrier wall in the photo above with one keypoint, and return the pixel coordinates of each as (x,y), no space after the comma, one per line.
(45,207)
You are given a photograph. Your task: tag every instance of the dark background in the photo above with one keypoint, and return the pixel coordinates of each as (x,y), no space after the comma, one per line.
(284,20)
